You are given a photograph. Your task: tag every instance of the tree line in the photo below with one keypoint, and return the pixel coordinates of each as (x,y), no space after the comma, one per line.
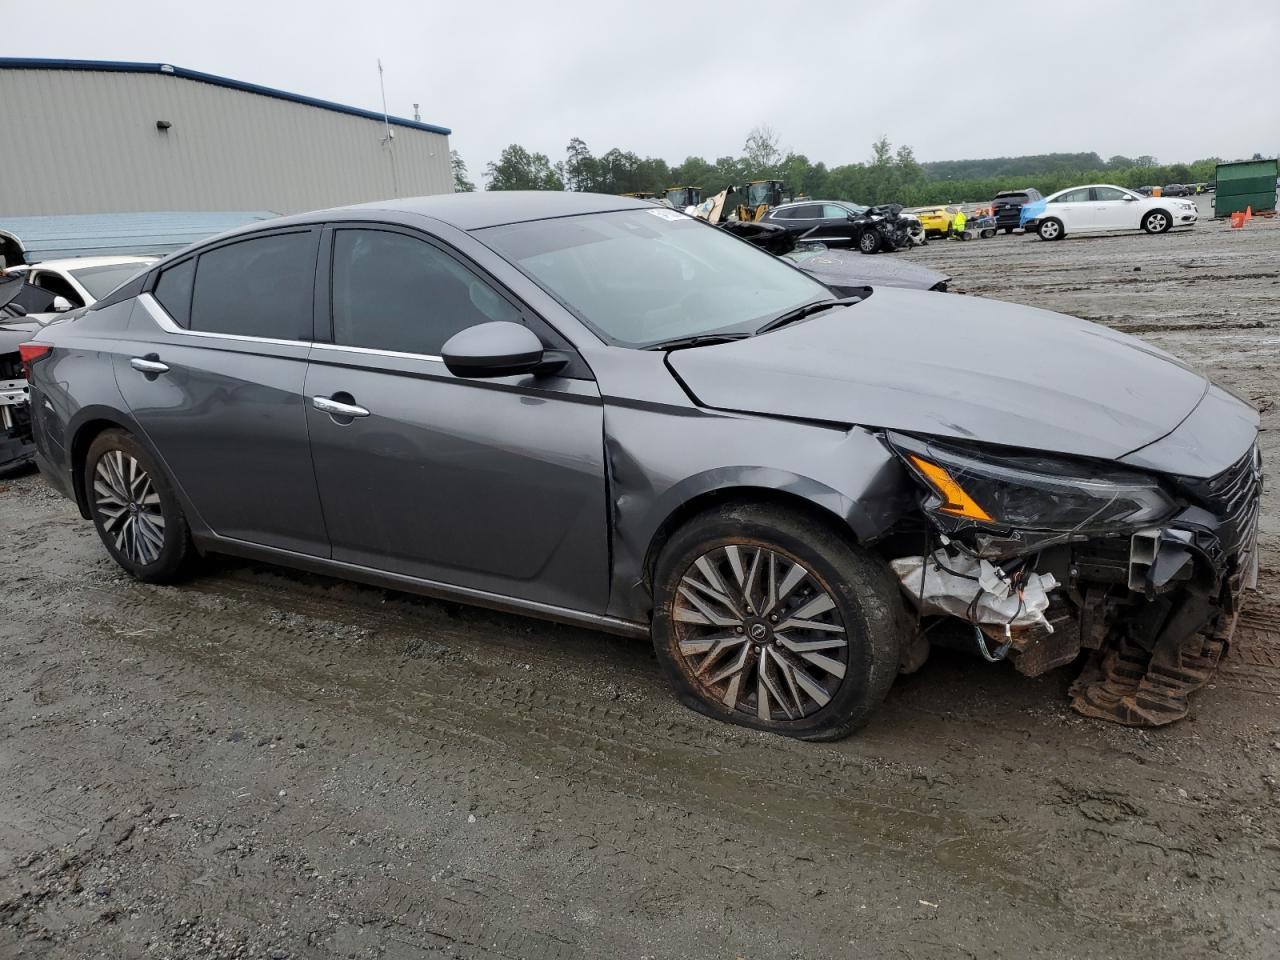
(888,175)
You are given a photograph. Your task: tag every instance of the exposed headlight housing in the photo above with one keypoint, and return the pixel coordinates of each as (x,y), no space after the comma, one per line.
(1000,490)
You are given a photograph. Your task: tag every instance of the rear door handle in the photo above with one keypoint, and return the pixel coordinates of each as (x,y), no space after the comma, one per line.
(149,364)
(336,408)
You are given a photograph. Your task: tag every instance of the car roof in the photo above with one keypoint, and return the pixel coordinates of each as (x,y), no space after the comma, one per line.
(490,208)
(1086,186)
(79,263)
(805,203)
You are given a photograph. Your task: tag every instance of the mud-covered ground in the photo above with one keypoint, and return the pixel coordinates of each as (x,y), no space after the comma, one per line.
(263,764)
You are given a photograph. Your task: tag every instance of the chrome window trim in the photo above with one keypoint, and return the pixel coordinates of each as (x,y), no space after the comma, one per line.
(167,324)
(374,351)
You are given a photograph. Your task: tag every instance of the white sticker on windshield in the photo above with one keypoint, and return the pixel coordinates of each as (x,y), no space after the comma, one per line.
(666,214)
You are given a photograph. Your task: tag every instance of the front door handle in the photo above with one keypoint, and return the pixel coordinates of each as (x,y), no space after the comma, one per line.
(335,408)
(149,364)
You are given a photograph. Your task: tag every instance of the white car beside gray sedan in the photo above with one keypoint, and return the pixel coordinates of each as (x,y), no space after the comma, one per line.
(1103,208)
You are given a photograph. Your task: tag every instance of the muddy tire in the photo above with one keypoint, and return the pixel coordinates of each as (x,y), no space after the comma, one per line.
(1157,221)
(869,241)
(134,509)
(766,617)
(1008,230)
(1051,229)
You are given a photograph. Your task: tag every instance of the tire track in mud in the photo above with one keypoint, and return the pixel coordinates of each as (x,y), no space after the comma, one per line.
(332,663)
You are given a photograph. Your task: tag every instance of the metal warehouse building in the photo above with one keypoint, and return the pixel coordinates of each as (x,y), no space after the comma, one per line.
(90,137)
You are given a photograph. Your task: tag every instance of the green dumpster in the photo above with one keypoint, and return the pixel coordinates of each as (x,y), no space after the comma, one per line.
(1247,183)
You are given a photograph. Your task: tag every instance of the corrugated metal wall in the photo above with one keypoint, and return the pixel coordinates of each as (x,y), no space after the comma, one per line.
(74,141)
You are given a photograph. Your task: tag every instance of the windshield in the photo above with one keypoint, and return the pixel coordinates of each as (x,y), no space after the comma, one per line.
(641,277)
(100,281)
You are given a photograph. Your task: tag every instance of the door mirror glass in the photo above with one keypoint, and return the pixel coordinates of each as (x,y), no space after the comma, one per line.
(61,305)
(499,348)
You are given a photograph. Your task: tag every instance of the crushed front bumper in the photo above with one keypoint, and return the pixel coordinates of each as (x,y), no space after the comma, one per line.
(1154,609)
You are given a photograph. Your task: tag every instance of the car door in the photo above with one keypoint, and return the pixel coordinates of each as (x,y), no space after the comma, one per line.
(491,485)
(805,221)
(836,226)
(1073,209)
(1111,211)
(212,370)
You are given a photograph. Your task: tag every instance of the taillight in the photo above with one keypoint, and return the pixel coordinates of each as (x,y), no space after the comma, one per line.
(30,353)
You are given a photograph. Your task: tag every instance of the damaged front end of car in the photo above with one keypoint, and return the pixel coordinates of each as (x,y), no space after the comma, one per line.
(1046,556)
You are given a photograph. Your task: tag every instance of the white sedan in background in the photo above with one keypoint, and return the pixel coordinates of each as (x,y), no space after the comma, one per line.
(1102,207)
(81,281)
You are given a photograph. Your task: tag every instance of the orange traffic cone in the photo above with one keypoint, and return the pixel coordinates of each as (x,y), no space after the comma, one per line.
(1248,213)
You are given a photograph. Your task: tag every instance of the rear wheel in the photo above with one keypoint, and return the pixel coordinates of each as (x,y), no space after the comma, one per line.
(1050,229)
(1008,230)
(134,508)
(1157,221)
(766,618)
(869,242)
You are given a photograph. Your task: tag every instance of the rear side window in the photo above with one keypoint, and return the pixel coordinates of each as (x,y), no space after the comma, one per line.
(257,288)
(173,290)
(396,292)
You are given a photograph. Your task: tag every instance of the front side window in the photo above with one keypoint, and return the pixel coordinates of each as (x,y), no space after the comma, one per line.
(395,292)
(260,287)
(1109,193)
(831,211)
(641,277)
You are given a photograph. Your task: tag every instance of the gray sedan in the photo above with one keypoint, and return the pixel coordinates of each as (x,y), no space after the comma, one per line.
(596,411)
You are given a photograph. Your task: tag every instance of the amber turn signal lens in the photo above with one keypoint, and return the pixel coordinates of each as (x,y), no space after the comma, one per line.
(955,501)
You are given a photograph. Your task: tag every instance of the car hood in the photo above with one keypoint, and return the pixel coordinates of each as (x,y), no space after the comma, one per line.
(950,366)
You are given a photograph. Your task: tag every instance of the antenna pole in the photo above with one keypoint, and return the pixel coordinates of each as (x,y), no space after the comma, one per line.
(388,140)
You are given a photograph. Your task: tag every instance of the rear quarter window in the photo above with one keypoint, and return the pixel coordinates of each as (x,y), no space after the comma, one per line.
(173,291)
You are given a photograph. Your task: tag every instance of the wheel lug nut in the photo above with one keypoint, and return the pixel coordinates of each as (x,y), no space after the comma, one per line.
(740,630)
(774,618)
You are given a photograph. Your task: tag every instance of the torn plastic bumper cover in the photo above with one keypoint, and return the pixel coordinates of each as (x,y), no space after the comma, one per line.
(1149,580)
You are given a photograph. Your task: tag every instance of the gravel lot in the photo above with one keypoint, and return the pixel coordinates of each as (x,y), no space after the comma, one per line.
(264,764)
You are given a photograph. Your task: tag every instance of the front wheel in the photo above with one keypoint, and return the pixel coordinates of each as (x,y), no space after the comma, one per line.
(869,242)
(1050,229)
(135,509)
(766,618)
(1157,221)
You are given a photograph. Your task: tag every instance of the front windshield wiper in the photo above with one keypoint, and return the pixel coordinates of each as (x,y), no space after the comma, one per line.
(808,309)
(699,340)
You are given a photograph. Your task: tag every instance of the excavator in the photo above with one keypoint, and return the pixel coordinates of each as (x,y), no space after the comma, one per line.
(684,197)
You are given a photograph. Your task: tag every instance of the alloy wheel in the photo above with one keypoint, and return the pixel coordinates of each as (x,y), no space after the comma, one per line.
(759,632)
(1049,231)
(128,505)
(1157,222)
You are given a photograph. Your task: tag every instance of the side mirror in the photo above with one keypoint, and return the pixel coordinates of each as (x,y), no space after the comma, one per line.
(1130,196)
(499,348)
(60,305)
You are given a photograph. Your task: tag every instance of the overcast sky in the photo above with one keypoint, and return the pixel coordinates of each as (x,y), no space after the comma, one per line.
(981,78)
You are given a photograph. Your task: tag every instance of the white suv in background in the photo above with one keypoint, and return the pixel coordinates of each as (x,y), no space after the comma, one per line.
(1102,207)
(81,281)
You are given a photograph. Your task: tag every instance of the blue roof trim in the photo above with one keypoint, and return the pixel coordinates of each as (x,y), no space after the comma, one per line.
(124,66)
